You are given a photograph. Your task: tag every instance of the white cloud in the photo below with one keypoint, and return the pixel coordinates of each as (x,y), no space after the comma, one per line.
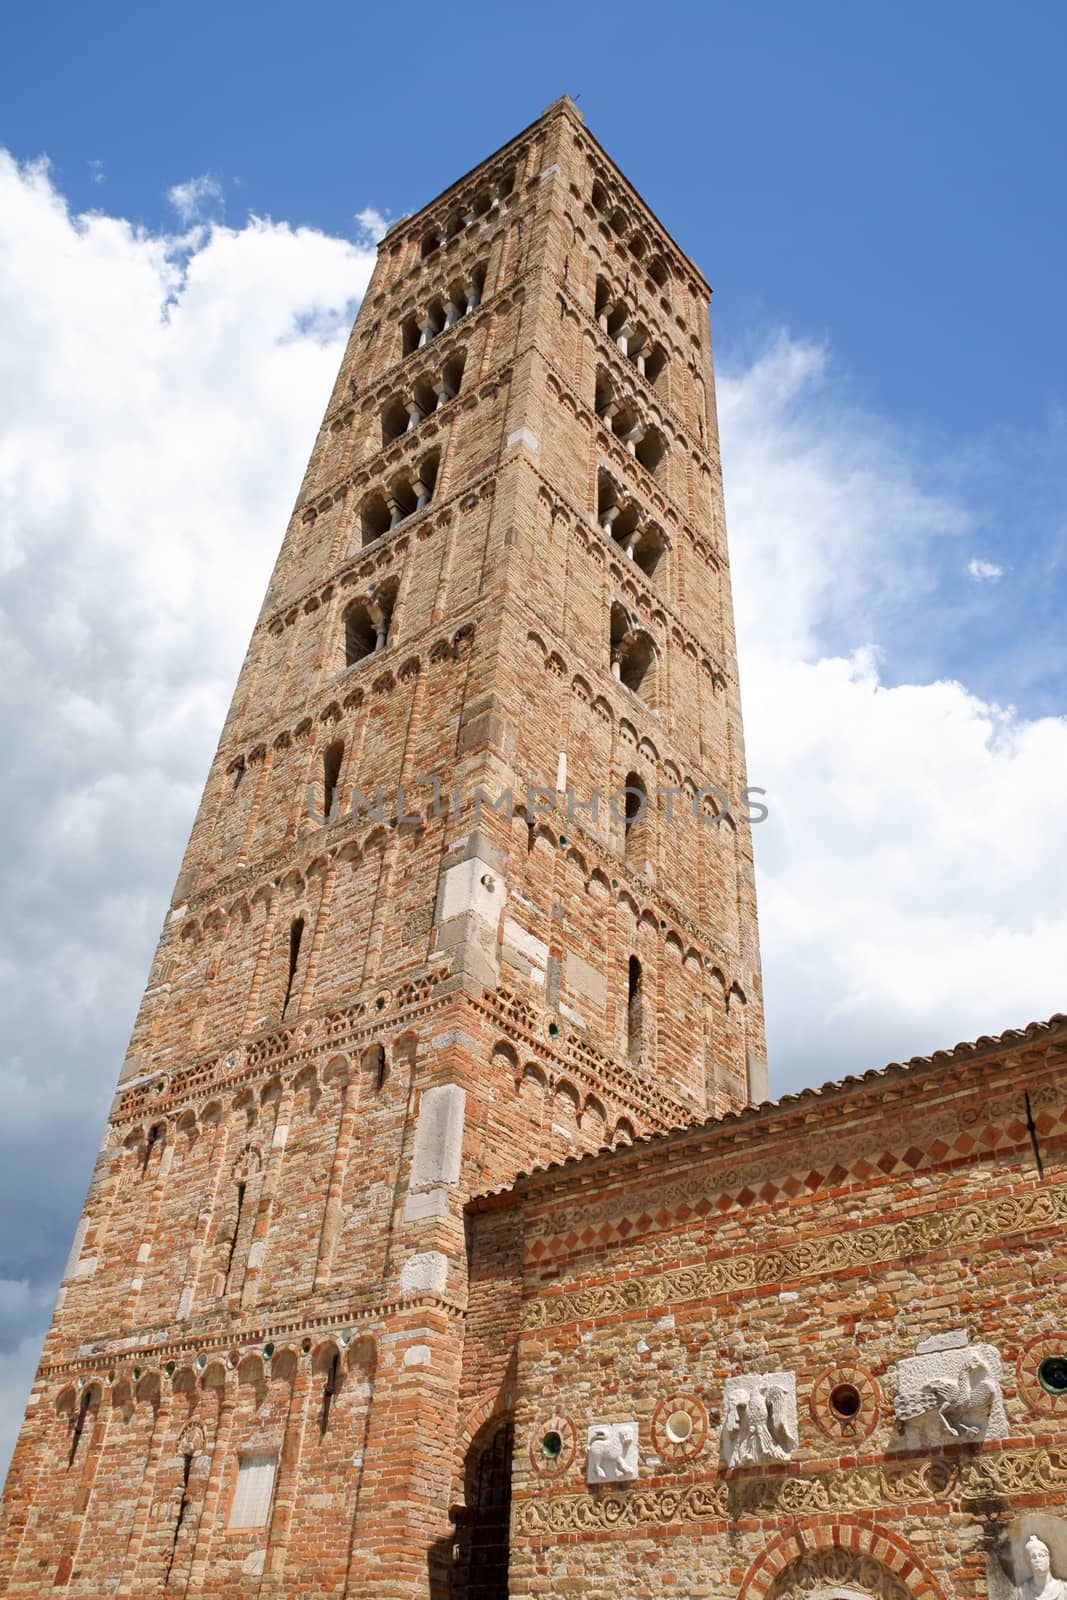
(984,570)
(913,890)
(195,198)
(96,171)
(373,223)
(158,400)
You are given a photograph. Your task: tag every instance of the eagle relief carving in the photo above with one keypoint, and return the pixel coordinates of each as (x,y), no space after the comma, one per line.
(759,1418)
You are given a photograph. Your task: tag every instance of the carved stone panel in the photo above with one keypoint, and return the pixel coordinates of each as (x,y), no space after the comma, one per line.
(1030,1560)
(949,1395)
(612,1454)
(759,1418)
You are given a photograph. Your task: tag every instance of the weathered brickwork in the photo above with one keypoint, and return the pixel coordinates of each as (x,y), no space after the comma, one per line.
(319,1335)
(505,571)
(831,1238)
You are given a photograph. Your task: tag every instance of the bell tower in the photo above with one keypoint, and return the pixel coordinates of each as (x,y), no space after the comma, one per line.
(469,889)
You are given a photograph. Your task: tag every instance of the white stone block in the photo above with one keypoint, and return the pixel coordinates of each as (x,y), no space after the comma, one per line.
(425,1273)
(611,1452)
(759,1418)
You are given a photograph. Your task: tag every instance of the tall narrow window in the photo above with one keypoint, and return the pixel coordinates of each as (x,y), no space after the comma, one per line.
(329,1388)
(634,1007)
(183,1506)
(233,1236)
(332,757)
(296,934)
(155,1134)
(367,623)
(634,819)
(79,1425)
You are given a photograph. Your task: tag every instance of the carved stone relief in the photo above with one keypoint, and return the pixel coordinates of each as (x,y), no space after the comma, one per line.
(819,1572)
(612,1454)
(949,1395)
(1030,1561)
(759,1418)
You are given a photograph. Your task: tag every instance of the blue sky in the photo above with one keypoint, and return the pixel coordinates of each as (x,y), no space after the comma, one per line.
(876,196)
(886,179)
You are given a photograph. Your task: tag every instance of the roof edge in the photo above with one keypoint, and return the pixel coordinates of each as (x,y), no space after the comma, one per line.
(759,1118)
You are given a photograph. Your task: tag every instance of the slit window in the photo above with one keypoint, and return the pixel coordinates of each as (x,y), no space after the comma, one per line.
(332,757)
(296,935)
(634,1006)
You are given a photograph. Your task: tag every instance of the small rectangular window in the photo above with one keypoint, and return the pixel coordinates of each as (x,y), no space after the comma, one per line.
(255,1486)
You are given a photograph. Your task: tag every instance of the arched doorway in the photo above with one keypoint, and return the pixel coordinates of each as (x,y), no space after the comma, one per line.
(480,1570)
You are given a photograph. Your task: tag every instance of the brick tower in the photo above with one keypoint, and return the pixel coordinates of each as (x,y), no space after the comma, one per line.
(458,900)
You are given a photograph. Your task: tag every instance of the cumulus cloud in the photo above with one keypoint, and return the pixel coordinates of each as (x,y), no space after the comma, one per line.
(912,887)
(196,198)
(158,399)
(984,570)
(373,223)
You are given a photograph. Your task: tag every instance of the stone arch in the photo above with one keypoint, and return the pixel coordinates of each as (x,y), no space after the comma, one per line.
(504,1055)
(819,1561)
(491,1403)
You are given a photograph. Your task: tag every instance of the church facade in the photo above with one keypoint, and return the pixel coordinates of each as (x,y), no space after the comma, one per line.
(442,1240)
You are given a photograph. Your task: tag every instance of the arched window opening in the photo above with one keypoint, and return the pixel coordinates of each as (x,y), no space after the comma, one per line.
(78,1427)
(625,527)
(332,757)
(607,501)
(156,1134)
(367,623)
(183,1507)
(599,197)
(617,326)
(650,450)
(404,501)
(480,1569)
(431,242)
(658,271)
(238,770)
(451,379)
(375,519)
(423,402)
(647,553)
(296,935)
(481,203)
(632,653)
(395,420)
(434,323)
(331,1384)
(635,819)
(617,221)
(636,667)
(410,335)
(426,482)
(634,1010)
(375,1065)
(655,362)
(638,247)
(604,297)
